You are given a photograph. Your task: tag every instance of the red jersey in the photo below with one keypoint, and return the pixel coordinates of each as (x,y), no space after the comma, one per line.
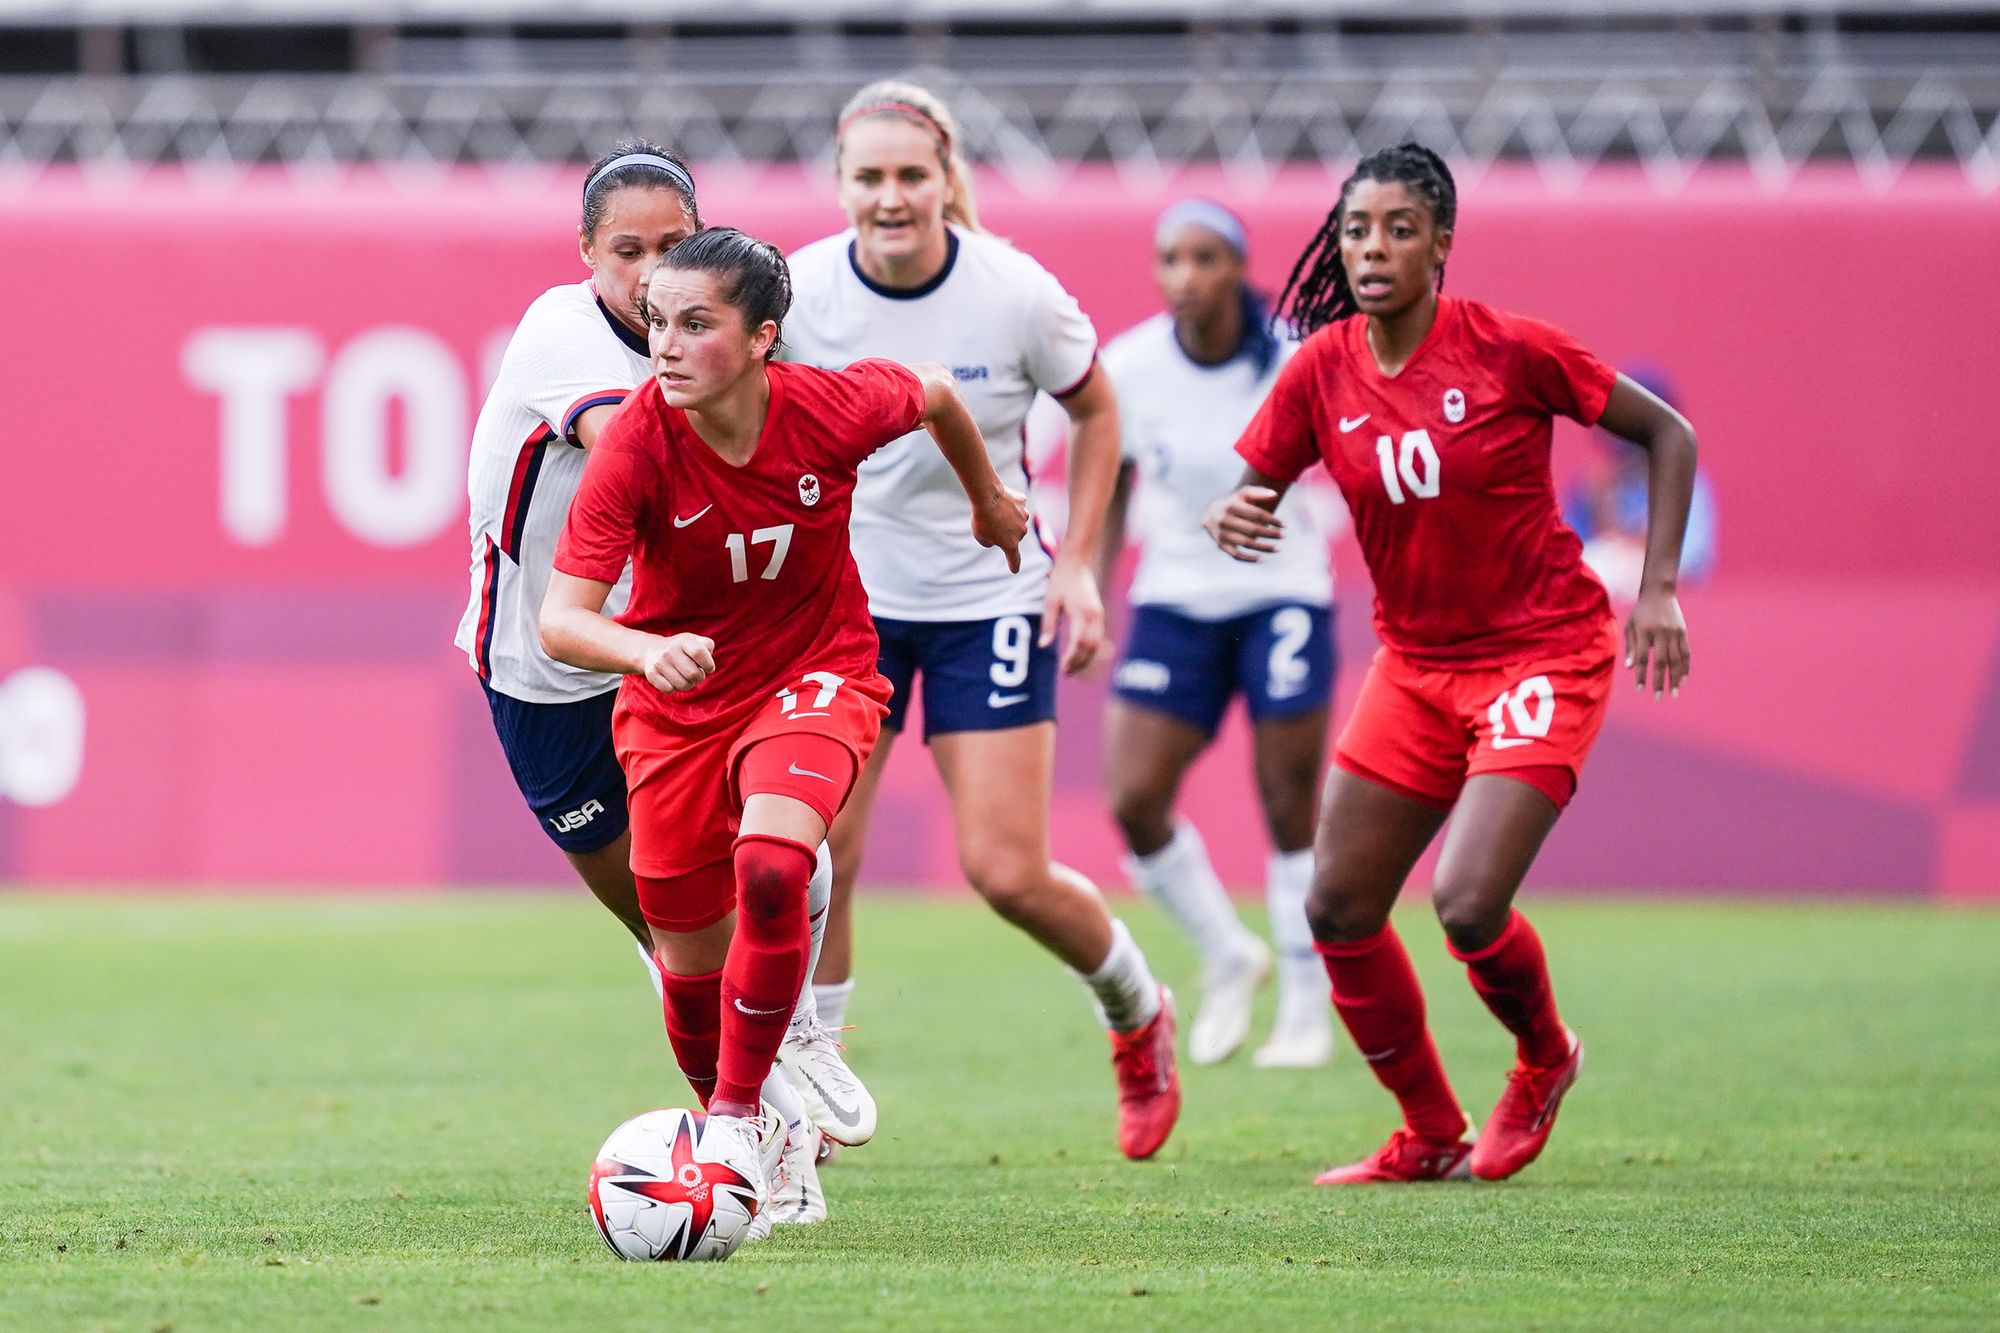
(1445,467)
(754,557)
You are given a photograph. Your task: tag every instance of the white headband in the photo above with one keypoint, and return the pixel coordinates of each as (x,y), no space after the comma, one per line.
(1203,213)
(679,173)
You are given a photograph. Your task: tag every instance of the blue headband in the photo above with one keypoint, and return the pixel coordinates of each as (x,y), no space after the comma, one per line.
(1207,214)
(679,173)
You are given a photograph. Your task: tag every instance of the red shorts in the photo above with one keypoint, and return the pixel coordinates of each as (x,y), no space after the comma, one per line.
(1424,731)
(682,786)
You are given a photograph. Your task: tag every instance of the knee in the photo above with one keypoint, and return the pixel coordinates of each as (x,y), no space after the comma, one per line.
(1289,796)
(1289,814)
(1010,885)
(1340,913)
(1143,815)
(1471,912)
(771,879)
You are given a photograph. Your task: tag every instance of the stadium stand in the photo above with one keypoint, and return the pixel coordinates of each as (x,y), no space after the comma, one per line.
(319,83)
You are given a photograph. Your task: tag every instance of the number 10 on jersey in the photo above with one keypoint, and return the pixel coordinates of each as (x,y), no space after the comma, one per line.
(1411,467)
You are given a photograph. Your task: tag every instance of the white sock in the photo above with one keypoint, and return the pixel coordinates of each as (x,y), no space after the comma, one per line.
(652,970)
(819,893)
(832,997)
(1127,996)
(779,1092)
(1181,880)
(1302,983)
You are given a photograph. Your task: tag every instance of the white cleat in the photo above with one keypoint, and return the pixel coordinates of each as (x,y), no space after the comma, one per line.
(1296,1044)
(796,1196)
(1222,1023)
(758,1134)
(835,1099)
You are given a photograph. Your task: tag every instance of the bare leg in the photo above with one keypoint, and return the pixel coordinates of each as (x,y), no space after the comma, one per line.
(1369,841)
(1000,784)
(1500,825)
(608,874)
(1288,754)
(1496,831)
(1146,754)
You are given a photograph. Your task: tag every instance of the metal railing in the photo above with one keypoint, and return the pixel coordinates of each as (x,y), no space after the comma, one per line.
(1251,107)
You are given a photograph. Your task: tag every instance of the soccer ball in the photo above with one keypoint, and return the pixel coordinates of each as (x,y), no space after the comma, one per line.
(665,1187)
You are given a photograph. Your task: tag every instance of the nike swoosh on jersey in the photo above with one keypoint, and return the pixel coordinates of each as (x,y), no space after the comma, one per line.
(680,522)
(995,699)
(807,773)
(1349,423)
(758,1013)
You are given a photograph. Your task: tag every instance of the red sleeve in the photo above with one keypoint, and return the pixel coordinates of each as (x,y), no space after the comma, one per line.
(610,504)
(1279,440)
(883,402)
(1559,374)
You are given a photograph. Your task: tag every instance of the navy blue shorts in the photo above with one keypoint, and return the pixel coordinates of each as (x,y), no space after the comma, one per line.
(1280,657)
(565,766)
(978,675)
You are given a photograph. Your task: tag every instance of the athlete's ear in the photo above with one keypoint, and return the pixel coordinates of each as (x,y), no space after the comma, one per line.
(764,339)
(1441,247)
(583,249)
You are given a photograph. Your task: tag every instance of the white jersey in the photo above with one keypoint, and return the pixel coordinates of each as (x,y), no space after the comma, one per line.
(568,355)
(1008,330)
(1180,422)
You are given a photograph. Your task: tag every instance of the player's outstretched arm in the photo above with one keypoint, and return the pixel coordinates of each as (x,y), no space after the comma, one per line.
(999,516)
(1245,523)
(576,630)
(1656,635)
(1074,586)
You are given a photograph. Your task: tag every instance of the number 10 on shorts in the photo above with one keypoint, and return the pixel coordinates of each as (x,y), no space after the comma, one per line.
(1530,707)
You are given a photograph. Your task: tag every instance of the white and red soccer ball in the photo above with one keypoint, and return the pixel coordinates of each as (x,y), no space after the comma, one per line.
(665,1187)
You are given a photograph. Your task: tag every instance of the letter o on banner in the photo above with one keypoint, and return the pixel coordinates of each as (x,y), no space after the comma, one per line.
(425,498)
(41,736)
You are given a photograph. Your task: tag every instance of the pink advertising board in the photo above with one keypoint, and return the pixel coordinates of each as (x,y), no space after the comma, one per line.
(232,546)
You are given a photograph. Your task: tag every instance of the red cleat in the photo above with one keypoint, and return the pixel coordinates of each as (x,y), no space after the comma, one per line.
(1403,1160)
(1514,1134)
(1149,1087)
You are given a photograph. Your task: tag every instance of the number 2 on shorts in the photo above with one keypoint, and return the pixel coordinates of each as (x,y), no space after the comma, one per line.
(1285,672)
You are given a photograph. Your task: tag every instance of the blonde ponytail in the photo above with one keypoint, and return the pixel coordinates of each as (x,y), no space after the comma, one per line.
(921,107)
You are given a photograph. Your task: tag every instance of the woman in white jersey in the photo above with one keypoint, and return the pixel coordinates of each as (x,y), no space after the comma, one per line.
(1205,628)
(576,353)
(915,278)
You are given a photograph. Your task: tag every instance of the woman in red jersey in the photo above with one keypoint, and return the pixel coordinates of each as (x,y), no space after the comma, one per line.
(750,697)
(1434,415)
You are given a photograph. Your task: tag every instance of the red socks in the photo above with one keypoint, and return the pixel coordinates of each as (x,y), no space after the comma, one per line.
(1512,976)
(693,1007)
(1375,992)
(766,964)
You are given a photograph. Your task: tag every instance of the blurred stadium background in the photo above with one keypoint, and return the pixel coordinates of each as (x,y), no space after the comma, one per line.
(259,255)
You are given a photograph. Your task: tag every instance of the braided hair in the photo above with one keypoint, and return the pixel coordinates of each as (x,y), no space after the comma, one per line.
(1316,294)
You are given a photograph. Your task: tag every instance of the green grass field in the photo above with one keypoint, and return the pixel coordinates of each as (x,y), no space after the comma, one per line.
(378,1115)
